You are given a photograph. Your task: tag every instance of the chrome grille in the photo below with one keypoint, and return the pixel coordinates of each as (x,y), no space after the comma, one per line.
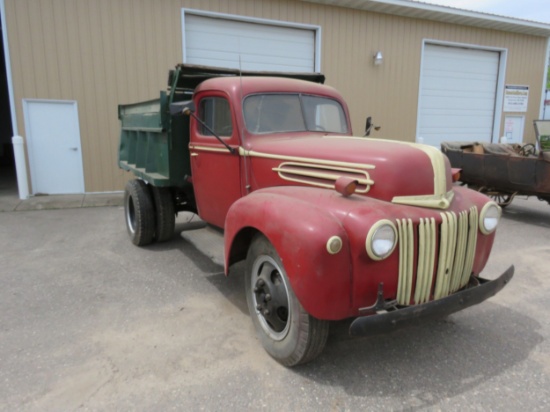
(444,251)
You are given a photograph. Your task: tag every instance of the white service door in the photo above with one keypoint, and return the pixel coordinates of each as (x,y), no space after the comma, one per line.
(53,140)
(458,89)
(223,42)
(513,129)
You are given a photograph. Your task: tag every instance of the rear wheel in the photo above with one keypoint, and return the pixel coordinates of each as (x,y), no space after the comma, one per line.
(503,199)
(139,213)
(287,332)
(164,213)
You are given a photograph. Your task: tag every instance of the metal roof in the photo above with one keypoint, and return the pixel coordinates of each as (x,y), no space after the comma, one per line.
(444,14)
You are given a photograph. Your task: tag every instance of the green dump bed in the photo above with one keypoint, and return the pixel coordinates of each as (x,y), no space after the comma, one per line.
(154,146)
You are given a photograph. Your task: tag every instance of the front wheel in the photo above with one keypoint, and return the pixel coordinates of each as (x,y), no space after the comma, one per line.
(287,332)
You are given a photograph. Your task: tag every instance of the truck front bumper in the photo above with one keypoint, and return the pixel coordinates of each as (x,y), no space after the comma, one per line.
(386,321)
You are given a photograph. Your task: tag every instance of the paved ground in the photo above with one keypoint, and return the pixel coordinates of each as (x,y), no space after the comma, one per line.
(90,322)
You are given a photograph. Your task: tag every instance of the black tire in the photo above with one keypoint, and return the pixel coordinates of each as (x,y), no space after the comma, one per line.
(287,332)
(165,215)
(139,212)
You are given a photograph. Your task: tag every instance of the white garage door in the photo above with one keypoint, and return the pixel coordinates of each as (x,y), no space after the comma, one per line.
(458,91)
(219,41)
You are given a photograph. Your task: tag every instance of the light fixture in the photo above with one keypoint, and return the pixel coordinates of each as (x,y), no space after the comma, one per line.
(378,58)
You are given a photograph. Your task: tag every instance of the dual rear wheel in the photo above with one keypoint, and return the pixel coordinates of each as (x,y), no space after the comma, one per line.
(149,213)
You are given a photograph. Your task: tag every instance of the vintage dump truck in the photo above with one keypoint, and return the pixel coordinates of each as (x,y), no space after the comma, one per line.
(331,226)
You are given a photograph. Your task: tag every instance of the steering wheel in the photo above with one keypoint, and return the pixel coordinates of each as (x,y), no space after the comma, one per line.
(528,149)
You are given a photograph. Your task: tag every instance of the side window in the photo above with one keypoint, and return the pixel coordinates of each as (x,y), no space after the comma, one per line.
(216,114)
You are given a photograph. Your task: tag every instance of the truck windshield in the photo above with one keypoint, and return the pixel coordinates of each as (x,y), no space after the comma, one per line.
(276,113)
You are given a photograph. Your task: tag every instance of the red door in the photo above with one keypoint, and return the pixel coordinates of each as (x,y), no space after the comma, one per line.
(216,171)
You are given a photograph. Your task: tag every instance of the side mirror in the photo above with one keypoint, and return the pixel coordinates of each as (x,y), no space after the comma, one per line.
(180,108)
(368,126)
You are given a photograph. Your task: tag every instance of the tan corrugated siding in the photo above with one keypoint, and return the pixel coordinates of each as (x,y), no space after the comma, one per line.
(105,52)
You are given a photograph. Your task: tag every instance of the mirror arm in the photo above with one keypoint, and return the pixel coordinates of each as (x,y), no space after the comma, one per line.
(186,111)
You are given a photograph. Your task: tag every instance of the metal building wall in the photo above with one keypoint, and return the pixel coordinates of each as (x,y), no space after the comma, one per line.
(105,52)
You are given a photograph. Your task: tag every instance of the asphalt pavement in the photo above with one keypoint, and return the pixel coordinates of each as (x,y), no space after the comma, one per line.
(90,322)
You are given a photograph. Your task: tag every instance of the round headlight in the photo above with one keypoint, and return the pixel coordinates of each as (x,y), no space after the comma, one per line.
(381,240)
(489,218)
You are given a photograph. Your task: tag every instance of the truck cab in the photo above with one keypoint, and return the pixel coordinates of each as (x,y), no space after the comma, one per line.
(273,111)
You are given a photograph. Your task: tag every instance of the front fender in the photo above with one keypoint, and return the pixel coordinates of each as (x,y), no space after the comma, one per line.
(299,231)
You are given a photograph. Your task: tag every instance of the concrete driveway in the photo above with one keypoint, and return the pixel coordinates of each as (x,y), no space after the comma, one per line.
(90,322)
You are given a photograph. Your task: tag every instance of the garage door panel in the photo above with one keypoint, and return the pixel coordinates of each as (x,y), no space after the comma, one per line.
(232,44)
(473,133)
(465,121)
(261,58)
(457,94)
(447,53)
(248,62)
(459,136)
(225,42)
(206,25)
(463,65)
(462,104)
(460,81)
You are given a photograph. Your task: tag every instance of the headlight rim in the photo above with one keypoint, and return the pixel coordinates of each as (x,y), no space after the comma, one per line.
(329,242)
(370,238)
(483,214)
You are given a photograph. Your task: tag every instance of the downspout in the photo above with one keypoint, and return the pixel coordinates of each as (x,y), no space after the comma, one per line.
(8,67)
(18,144)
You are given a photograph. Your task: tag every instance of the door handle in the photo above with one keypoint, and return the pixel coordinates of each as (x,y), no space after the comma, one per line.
(194,154)
(74,149)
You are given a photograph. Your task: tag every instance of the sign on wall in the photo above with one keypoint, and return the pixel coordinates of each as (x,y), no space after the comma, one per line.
(516,98)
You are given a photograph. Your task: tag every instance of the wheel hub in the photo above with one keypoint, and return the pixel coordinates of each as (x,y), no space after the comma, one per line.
(271,298)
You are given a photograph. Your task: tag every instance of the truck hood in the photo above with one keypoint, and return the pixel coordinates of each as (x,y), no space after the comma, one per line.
(399,172)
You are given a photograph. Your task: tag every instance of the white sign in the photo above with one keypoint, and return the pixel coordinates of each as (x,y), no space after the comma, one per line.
(516,98)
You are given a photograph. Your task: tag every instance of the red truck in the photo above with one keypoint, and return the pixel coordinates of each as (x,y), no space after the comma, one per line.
(331,226)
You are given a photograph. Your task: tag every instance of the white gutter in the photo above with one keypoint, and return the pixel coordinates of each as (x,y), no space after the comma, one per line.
(8,68)
(445,14)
